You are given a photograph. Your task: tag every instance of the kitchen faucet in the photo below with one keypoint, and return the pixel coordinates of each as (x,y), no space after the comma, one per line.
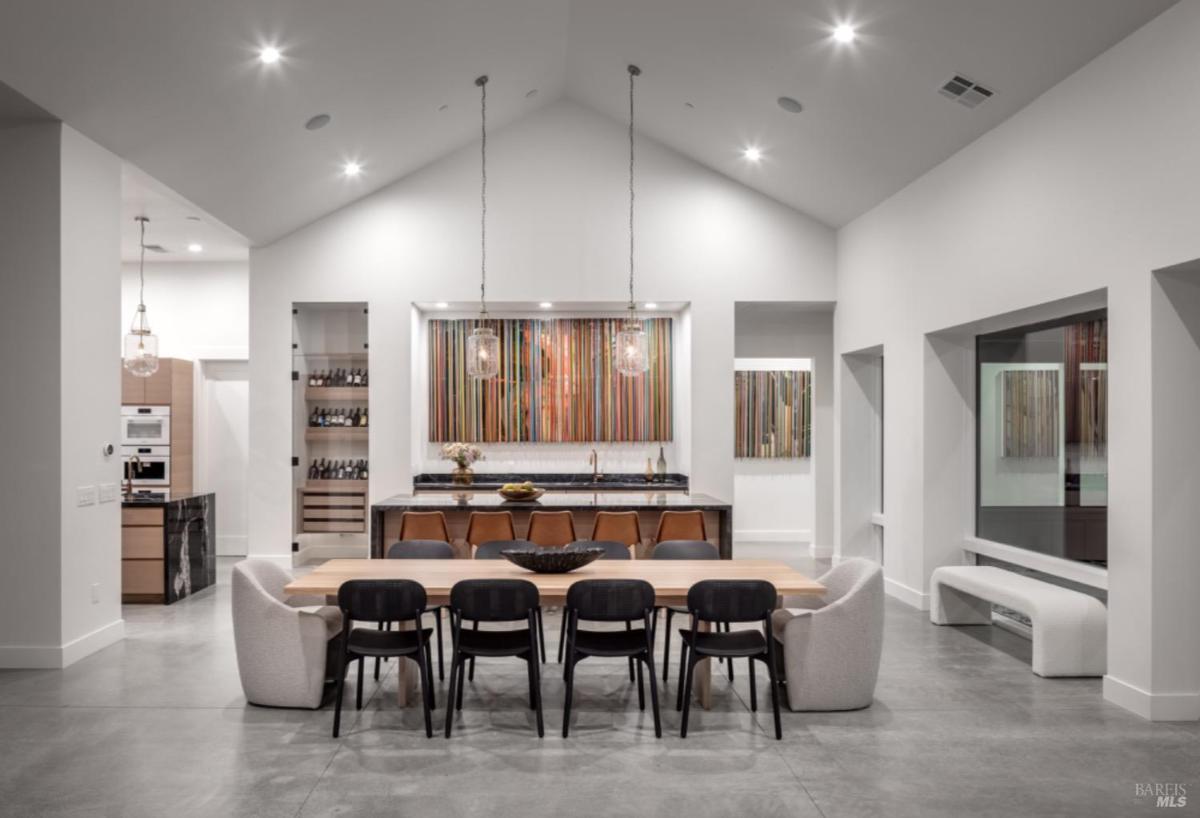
(133,464)
(594,462)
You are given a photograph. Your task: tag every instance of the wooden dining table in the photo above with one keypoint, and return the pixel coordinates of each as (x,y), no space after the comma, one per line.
(671,580)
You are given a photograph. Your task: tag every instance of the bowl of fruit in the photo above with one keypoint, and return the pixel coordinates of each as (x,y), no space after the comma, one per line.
(521,492)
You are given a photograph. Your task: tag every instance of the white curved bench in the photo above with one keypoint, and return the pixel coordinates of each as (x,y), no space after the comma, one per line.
(1069,628)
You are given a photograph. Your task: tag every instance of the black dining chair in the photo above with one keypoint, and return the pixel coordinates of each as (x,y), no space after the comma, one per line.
(729,600)
(383,600)
(493,600)
(612,551)
(611,600)
(682,550)
(493,550)
(422,550)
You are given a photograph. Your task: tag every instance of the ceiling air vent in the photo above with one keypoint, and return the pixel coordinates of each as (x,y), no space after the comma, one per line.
(965,92)
(156,248)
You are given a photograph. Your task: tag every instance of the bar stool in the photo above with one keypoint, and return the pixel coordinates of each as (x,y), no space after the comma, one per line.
(486,526)
(551,529)
(618,526)
(681,525)
(423,525)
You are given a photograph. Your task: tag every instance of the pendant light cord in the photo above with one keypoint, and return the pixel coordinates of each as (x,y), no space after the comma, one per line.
(482,83)
(633,72)
(142,266)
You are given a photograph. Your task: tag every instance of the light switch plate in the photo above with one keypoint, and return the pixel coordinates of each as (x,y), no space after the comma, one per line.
(108,492)
(85,495)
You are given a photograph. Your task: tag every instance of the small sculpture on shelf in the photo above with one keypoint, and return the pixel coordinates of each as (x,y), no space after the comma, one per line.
(462,455)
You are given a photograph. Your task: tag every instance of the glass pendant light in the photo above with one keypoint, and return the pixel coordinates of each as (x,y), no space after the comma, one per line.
(141,345)
(633,352)
(483,346)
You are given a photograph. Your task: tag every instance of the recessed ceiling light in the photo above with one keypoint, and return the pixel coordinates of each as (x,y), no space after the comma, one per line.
(531,93)
(752,153)
(792,106)
(318,122)
(844,33)
(195,248)
(194,219)
(545,305)
(650,305)
(269,55)
(351,169)
(441,305)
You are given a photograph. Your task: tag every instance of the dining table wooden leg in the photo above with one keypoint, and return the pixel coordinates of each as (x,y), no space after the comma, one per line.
(407,673)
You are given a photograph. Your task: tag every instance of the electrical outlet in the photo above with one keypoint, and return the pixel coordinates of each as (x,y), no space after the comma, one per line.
(85,495)
(95,593)
(108,492)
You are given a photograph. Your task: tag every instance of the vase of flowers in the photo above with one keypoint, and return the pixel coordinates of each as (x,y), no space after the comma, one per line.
(462,455)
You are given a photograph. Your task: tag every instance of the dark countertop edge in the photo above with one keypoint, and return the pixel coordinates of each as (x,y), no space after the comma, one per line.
(175,498)
(554,481)
(614,498)
(600,488)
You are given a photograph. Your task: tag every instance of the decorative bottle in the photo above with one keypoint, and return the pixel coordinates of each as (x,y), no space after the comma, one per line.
(662,465)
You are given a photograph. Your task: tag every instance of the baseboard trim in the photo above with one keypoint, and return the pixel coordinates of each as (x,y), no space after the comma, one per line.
(909,596)
(1152,706)
(757,535)
(14,657)
(309,553)
(820,552)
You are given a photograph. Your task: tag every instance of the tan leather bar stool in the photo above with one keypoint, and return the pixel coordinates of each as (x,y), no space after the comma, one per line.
(485,526)
(551,529)
(424,525)
(681,525)
(618,526)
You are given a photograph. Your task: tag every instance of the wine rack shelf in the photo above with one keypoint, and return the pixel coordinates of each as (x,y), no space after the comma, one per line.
(333,506)
(336,393)
(336,434)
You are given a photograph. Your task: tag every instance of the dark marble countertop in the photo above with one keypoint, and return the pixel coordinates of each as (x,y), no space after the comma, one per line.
(582,482)
(616,500)
(159,498)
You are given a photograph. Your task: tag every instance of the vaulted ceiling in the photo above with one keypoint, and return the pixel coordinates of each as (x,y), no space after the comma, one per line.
(175,88)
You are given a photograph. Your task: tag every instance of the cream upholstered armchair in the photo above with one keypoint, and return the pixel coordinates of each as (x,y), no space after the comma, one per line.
(281,644)
(832,644)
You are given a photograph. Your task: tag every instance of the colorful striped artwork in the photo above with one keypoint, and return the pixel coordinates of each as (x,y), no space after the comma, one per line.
(1093,410)
(773,416)
(1031,413)
(558,383)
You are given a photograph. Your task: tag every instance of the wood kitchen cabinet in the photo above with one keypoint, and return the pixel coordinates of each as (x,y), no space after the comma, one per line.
(171,385)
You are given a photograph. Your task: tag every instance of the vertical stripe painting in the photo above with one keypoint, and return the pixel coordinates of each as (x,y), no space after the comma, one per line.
(773,416)
(1031,413)
(558,383)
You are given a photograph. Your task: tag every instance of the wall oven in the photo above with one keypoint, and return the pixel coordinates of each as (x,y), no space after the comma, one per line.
(154,468)
(145,425)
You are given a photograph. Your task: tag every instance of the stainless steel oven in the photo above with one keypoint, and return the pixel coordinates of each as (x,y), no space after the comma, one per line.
(145,425)
(153,466)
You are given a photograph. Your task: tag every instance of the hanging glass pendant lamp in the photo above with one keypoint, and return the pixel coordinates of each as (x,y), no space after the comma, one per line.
(633,353)
(483,346)
(141,345)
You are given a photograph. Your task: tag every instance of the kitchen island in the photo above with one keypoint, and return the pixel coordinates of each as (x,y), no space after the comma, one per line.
(168,546)
(457,506)
(586,482)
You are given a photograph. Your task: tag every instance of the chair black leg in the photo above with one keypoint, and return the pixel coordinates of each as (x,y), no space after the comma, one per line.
(441,667)
(454,662)
(629,627)
(341,685)
(429,664)
(654,695)
(753,687)
(471,675)
(683,652)
(562,636)
(426,669)
(541,629)
(569,676)
(462,667)
(687,694)
(729,659)
(358,693)
(667,646)
(536,670)
(774,694)
(641,686)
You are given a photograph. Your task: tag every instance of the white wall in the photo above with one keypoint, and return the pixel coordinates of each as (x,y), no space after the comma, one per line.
(1091,187)
(558,232)
(198,309)
(789,501)
(61,587)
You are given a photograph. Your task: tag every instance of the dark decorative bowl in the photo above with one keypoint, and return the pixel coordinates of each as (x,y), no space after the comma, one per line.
(552,560)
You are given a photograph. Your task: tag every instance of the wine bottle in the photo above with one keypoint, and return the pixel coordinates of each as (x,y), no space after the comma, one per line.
(662,465)
(341,475)
(355,378)
(312,378)
(365,471)
(363,420)
(313,419)
(364,377)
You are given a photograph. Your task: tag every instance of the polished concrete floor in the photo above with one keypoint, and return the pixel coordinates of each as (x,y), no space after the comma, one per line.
(157,726)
